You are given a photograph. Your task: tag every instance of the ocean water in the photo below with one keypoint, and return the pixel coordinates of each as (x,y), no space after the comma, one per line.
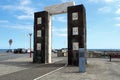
(103,49)
(3,50)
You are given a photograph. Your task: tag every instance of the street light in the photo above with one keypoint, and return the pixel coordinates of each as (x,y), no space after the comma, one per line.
(30,34)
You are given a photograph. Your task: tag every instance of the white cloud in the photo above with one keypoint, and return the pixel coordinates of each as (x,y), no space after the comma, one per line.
(62,34)
(8,7)
(25,2)
(24,7)
(117,18)
(59,30)
(104,9)
(95,1)
(118,24)
(109,1)
(118,11)
(4,21)
(20,27)
(117,8)
(60,18)
(28,12)
(105,1)
(22,17)
(66,0)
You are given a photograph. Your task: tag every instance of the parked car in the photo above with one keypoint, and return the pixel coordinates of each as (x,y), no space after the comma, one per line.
(9,50)
(20,50)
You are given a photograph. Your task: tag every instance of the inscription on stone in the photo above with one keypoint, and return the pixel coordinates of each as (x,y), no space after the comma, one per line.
(75,45)
(38,46)
(75,16)
(39,20)
(38,33)
(75,30)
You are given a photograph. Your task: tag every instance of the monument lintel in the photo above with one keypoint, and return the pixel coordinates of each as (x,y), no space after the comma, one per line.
(59,8)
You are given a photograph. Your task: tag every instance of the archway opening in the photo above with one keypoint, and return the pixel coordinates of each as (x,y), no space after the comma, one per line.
(59,38)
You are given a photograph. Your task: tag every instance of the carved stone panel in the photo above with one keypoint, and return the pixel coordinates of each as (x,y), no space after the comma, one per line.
(75,16)
(38,46)
(39,20)
(38,33)
(75,30)
(75,45)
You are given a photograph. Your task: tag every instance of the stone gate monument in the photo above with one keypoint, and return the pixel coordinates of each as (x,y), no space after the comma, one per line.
(76,32)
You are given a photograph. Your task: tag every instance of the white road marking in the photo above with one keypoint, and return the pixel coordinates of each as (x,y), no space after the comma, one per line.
(49,73)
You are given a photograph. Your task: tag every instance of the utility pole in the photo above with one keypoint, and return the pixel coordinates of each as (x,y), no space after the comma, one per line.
(30,34)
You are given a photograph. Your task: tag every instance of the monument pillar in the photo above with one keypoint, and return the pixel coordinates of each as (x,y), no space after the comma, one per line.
(42,37)
(76,32)
(49,40)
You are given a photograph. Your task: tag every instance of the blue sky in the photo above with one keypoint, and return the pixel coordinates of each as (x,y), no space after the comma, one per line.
(103,23)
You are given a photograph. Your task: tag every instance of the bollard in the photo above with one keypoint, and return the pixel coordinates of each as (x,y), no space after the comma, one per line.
(82,60)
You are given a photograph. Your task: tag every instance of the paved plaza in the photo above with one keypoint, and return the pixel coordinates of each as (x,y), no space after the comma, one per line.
(22,68)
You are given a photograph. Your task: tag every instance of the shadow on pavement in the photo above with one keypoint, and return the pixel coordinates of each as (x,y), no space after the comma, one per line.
(31,64)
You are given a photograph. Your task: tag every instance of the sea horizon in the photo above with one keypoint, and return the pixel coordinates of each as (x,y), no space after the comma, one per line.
(4,50)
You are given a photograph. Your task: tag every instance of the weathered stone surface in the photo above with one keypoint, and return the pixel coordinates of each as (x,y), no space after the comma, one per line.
(41,37)
(59,8)
(76,32)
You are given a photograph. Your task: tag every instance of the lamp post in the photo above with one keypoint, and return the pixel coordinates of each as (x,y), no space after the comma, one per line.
(30,34)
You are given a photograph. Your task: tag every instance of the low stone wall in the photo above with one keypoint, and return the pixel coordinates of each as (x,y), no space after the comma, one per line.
(62,54)
(93,55)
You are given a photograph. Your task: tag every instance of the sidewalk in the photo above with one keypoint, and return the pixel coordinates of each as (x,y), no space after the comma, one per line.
(97,69)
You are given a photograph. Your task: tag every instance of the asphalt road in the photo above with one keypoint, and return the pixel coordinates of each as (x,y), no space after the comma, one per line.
(32,73)
(31,70)
(6,56)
